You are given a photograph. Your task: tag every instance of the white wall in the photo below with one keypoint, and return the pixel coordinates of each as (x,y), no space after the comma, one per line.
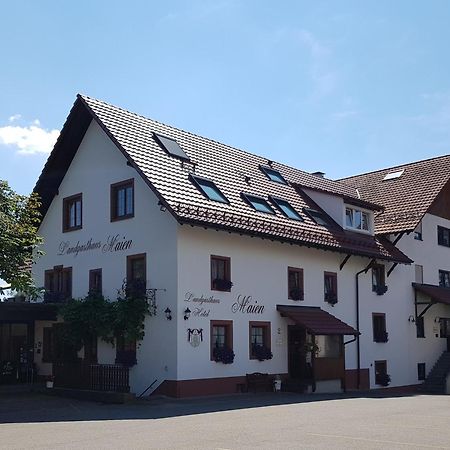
(96,165)
(259,269)
(333,205)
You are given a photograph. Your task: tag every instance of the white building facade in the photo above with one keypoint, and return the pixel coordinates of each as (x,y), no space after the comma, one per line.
(314,301)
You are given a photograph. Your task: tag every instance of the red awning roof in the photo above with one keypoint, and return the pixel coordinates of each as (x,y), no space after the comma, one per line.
(316,320)
(437,294)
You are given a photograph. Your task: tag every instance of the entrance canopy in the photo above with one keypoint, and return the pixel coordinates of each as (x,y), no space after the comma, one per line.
(315,320)
(25,312)
(437,294)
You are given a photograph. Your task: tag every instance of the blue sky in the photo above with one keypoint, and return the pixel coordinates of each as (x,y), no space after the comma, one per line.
(343,87)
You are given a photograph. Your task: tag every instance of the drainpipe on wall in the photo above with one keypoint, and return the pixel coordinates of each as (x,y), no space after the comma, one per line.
(358,344)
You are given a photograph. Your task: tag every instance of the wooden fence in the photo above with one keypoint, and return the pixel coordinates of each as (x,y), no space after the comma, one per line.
(97,377)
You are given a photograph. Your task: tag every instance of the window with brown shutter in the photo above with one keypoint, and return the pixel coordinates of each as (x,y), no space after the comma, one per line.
(72,213)
(221,273)
(122,200)
(136,275)
(95,281)
(295,284)
(260,338)
(330,287)
(379,327)
(58,284)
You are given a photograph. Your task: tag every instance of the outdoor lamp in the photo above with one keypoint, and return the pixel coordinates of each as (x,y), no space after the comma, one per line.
(168,313)
(187,313)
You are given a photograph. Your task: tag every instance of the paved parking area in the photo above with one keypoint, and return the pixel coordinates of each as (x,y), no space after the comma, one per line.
(265,421)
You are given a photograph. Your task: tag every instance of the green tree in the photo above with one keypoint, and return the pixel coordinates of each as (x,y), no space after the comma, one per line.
(19,241)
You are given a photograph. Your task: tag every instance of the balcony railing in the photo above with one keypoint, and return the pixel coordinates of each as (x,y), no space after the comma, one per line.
(97,377)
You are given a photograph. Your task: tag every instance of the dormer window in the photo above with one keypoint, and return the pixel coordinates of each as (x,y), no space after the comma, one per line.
(273,175)
(356,219)
(209,189)
(258,203)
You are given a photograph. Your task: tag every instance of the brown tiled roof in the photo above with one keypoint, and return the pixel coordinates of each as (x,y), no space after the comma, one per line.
(316,320)
(229,168)
(437,294)
(407,198)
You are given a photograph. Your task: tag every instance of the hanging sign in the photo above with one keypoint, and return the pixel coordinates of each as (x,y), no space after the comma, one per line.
(195,336)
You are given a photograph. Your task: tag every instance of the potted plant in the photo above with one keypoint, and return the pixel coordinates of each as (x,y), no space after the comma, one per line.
(222,285)
(261,352)
(381,289)
(331,298)
(383,379)
(49,381)
(224,355)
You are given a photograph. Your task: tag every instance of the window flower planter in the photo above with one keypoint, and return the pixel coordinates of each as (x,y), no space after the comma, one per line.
(331,299)
(224,355)
(383,379)
(261,352)
(380,290)
(296,294)
(222,285)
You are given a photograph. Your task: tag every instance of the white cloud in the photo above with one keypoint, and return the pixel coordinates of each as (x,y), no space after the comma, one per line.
(15,117)
(30,139)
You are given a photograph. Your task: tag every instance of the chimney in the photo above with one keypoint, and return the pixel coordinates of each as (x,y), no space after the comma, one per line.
(319,174)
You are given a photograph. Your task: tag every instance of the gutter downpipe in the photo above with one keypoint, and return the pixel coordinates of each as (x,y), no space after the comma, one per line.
(358,344)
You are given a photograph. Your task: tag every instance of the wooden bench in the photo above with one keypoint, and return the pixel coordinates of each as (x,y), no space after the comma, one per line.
(261,382)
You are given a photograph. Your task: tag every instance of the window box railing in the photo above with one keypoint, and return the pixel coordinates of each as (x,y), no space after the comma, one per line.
(382,337)
(222,285)
(98,377)
(381,290)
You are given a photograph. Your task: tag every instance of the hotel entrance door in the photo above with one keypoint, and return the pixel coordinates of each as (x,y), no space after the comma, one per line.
(297,365)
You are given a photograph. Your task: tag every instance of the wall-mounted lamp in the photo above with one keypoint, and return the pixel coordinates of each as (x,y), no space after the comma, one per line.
(437,319)
(187,313)
(168,313)
(411,319)
(161,206)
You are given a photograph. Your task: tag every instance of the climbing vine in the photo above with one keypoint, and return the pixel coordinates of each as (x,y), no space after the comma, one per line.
(94,316)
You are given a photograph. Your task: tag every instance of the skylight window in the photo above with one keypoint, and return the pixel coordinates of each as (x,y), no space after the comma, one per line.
(209,189)
(287,209)
(393,175)
(171,146)
(319,217)
(273,175)
(259,203)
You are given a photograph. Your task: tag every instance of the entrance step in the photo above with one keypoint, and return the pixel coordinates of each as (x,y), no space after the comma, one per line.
(436,381)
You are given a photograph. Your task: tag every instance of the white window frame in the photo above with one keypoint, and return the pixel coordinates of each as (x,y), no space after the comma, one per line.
(362,211)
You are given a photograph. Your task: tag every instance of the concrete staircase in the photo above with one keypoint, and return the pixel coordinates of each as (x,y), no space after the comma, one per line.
(435,383)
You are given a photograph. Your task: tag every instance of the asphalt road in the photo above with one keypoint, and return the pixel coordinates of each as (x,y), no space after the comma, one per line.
(265,421)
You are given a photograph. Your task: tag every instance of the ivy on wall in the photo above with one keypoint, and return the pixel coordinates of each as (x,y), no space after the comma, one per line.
(94,316)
